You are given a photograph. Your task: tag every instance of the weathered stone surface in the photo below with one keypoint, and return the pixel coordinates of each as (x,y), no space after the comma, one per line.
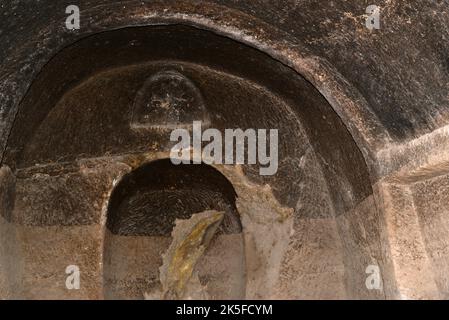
(10,258)
(431,198)
(363,118)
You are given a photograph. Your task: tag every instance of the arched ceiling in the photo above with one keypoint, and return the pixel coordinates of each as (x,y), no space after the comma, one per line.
(389,86)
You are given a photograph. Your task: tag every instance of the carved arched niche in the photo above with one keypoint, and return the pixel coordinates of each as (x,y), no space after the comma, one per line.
(141,216)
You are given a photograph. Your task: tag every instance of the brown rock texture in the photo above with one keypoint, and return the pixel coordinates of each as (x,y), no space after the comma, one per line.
(357,208)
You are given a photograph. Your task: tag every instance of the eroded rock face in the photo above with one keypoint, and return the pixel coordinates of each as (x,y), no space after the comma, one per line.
(7,192)
(8,246)
(190,240)
(85,121)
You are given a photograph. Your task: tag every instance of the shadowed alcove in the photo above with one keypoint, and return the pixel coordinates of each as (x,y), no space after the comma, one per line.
(144,206)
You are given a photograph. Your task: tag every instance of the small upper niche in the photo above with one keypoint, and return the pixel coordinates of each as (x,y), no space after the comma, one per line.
(167,100)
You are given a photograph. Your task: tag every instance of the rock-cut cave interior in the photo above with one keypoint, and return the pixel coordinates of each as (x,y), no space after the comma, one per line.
(357,208)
